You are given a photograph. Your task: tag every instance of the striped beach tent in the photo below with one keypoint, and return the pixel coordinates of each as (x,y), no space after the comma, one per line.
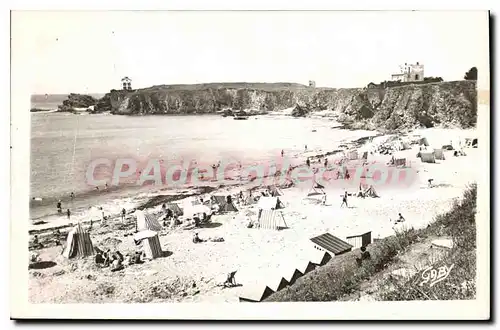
(78,244)
(275,191)
(352,155)
(147,221)
(271,219)
(150,243)
(175,208)
(400,162)
(224,206)
(439,154)
(427,157)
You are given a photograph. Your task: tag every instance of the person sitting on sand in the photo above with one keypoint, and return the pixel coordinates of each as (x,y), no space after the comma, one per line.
(430,182)
(116,265)
(197,239)
(400,219)
(365,255)
(99,258)
(230,281)
(107,258)
(36,244)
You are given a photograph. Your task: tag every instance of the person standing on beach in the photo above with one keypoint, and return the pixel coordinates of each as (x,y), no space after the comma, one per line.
(124,212)
(59,207)
(344,200)
(308,162)
(68,213)
(72,195)
(282,153)
(305,147)
(326,162)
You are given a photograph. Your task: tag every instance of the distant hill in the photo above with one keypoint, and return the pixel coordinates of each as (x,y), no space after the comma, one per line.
(228,85)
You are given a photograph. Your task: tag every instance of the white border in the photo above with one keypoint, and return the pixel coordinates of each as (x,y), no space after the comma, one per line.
(478,309)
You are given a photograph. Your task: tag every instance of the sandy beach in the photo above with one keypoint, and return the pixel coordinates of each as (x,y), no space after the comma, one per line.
(192,272)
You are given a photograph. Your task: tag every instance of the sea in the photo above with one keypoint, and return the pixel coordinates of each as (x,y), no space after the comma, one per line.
(63,145)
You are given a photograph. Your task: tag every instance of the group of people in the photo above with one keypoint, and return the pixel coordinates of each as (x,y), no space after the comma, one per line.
(115,260)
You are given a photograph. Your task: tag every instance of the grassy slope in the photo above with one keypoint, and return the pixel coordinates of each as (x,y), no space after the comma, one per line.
(343,277)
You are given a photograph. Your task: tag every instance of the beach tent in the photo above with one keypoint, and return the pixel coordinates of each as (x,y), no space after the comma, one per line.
(291,275)
(78,244)
(146,221)
(400,162)
(305,266)
(439,154)
(317,257)
(271,219)
(423,142)
(352,155)
(358,241)
(406,145)
(331,244)
(150,243)
(224,206)
(175,208)
(269,203)
(275,280)
(370,192)
(275,191)
(288,184)
(427,157)
(250,200)
(255,293)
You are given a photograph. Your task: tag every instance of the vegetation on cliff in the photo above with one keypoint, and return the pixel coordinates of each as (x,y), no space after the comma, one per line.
(75,101)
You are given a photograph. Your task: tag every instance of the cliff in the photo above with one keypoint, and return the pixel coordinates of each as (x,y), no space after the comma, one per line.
(433,104)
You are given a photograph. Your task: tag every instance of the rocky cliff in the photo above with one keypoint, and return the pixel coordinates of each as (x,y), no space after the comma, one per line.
(443,104)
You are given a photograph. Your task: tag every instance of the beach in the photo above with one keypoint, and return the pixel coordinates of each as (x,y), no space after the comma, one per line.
(194,272)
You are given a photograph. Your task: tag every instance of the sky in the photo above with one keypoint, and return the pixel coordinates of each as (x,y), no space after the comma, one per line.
(89,52)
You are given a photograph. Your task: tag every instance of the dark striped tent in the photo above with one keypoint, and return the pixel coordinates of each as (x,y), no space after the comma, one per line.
(224,206)
(78,244)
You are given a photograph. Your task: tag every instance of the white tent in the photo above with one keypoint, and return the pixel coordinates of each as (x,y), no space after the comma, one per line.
(150,243)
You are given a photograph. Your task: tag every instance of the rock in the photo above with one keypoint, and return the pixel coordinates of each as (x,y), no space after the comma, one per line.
(444,243)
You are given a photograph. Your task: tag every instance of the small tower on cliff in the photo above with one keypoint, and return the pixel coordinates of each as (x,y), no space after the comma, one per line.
(126,83)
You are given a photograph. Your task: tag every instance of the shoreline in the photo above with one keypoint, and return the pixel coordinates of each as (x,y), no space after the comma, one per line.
(217,186)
